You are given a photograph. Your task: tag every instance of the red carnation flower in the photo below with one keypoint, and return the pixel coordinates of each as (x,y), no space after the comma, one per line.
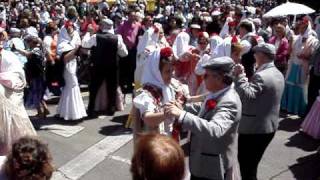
(68,24)
(211,104)
(234,40)
(232,24)
(203,34)
(166,52)
(305,20)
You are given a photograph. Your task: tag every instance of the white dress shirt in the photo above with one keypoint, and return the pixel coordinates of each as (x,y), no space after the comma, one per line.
(263,66)
(89,41)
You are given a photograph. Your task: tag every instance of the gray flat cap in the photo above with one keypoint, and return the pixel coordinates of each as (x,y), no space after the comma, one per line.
(107,21)
(224,63)
(15,30)
(265,48)
(195,26)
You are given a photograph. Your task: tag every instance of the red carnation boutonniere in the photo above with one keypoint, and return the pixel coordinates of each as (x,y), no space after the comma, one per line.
(211,104)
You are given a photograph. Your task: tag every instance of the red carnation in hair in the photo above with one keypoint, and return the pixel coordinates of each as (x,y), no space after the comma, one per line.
(232,24)
(156,29)
(166,52)
(68,24)
(201,34)
(305,20)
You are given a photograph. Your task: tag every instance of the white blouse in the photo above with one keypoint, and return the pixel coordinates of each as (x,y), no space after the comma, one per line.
(145,103)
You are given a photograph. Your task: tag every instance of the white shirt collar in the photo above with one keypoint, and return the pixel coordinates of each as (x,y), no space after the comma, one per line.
(111,31)
(263,66)
(215,95)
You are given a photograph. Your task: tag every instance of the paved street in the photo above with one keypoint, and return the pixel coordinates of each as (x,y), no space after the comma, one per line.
(101,149)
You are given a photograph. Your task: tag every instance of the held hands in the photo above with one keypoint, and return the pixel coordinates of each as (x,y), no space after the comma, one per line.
(238,69)
(305,56)
(172,110)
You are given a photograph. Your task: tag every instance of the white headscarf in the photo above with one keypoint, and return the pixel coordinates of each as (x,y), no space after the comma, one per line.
(152,75)
(225,29)
(11,71)
(66,42)
(181,44)
(149,38)
(147,44)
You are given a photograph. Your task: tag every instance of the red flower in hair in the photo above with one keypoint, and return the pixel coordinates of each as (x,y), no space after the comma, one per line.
(211,104)
(232,24)
(305,20)
(166,52)
(203,34)
(68,24)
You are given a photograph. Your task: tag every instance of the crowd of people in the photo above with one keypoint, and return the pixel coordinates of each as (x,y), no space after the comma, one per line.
(216,69)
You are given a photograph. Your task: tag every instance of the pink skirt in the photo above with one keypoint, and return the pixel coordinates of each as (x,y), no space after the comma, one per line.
(102,99)
(311,124)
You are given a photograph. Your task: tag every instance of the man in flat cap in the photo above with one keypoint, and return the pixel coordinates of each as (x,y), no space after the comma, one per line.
(107,47)
(261,98)
(213,124)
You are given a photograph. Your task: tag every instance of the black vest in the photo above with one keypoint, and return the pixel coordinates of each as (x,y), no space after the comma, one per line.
(248,60)
(105,53)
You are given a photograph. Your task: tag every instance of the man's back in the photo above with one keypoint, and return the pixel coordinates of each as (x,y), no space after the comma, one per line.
(261,112)
(105,53)
(212,154)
